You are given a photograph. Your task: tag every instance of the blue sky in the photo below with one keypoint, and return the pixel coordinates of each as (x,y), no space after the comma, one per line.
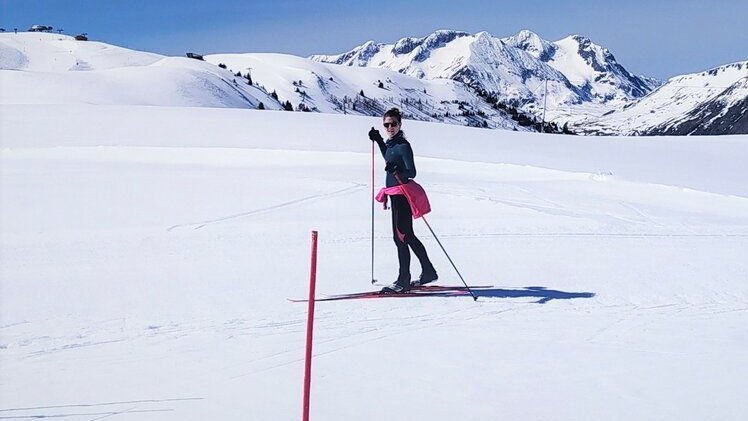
(660,38)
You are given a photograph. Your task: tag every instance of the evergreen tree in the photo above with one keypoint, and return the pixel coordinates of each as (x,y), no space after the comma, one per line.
(566,129)
(261,106)
(288,106)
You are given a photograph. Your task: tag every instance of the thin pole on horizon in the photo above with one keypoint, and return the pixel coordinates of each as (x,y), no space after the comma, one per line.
(545,102)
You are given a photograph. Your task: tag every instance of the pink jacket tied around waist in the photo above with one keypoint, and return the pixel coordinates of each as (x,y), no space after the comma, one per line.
(419,202)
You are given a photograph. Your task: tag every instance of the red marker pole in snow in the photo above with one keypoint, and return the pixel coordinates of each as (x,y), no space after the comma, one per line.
(310,328)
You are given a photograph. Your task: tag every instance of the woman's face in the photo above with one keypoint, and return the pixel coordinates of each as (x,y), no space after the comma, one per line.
(391,126)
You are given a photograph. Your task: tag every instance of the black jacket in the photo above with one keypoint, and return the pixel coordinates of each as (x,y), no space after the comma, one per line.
(398,153)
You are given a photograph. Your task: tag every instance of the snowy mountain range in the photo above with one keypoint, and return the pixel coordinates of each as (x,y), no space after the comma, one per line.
(586,86)
(710,102)
(512,69)
(449,76)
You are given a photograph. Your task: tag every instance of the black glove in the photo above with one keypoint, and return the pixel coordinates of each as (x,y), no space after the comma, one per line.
(375,136)
(390,167)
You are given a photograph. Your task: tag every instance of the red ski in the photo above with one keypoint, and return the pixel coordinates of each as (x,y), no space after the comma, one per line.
(423,291)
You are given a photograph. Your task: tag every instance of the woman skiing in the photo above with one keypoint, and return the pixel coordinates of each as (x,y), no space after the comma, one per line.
(400,168)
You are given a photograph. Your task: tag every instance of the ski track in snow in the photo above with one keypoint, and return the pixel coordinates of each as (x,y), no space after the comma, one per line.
(371,331)
(338,332)
(58,411)
(551,208)
(336,193)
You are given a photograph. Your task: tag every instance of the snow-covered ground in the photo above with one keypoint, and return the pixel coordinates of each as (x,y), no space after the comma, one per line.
(42,68)
(148,254)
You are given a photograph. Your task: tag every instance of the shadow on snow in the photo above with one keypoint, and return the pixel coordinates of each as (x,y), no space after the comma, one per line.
(542,293)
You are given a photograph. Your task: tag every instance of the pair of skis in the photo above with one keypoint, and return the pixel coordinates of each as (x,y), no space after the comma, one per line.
(415,292)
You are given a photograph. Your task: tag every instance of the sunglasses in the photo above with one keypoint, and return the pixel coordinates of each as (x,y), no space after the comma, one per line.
(388,125)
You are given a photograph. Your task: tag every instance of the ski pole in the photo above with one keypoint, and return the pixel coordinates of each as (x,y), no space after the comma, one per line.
(372,213)
(397,176)
(449,258)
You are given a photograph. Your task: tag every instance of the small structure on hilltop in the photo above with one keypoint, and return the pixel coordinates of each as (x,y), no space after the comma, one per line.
(195,56)
(40,28)
(81,37)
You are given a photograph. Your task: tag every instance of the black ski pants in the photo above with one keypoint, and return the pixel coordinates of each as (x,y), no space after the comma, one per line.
(402,231)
